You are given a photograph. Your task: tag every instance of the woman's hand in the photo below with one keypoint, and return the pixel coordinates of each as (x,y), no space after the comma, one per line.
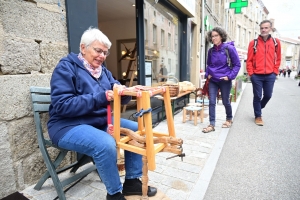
(109,95)
(225,78)
(119,86)
(209,76)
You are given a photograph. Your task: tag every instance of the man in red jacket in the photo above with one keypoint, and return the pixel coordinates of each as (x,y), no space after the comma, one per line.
(263,61)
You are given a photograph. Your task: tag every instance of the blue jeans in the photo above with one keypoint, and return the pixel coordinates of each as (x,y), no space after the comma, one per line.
(225,87)
(101,146)
(262,84)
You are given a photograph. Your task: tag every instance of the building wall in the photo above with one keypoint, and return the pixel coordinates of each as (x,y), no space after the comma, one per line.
(290,54)
(241,28)
(33,37)
(195,46)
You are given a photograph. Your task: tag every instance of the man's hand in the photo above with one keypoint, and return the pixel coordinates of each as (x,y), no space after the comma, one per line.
(209,76)
(225,78)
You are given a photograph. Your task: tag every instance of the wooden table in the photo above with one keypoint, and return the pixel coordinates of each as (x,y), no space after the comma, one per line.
(180,97)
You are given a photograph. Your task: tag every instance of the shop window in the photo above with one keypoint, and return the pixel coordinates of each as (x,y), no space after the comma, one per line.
(165,32)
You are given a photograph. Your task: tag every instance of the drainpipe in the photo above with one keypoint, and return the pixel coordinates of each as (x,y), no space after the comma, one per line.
(202,62)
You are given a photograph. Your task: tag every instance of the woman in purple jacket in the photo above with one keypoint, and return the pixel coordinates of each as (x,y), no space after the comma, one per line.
(223,65)
(81,89)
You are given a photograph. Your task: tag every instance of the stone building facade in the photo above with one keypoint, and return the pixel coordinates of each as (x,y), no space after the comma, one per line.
(33,37)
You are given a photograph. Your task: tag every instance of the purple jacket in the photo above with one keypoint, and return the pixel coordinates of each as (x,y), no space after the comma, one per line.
(217,65)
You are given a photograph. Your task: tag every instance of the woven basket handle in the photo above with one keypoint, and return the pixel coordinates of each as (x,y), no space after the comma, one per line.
(173,77)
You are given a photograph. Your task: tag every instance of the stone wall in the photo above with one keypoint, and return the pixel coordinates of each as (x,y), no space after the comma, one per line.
(33,37)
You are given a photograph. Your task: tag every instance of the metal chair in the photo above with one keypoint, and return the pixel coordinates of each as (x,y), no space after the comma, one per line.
(41,99)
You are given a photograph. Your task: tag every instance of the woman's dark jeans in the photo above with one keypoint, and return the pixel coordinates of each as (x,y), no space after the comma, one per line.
(225,88)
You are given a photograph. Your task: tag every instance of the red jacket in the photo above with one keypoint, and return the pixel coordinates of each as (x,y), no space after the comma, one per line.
(265,60)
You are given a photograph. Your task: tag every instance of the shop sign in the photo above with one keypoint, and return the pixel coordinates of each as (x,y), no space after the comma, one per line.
(238,5)
(242,54)
(207,24)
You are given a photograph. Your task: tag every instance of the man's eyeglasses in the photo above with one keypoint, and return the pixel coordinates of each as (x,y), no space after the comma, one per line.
(100,51)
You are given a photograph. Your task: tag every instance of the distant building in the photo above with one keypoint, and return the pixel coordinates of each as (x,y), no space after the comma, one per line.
(289,53)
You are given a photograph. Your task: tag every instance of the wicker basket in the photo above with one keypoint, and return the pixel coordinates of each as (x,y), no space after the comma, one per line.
(173,87)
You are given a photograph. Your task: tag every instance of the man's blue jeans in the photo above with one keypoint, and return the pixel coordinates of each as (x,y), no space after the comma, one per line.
(262,85)
(225,87)
(101,146)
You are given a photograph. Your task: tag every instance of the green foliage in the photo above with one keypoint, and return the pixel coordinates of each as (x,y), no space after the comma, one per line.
(297,77)
(232,92)
(243,77)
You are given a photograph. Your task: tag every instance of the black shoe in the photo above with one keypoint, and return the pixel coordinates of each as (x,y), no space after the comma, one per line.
(134,187)
(117,196)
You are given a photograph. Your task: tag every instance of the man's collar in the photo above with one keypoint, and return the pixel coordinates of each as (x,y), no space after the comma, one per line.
(269,36)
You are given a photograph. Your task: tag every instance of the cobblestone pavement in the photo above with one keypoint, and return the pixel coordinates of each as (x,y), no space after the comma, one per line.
(174,179)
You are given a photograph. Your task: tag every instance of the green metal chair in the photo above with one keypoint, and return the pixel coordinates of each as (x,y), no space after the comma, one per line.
(41,99)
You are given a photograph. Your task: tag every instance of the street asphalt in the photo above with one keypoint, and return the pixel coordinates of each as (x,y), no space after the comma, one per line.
(262,162)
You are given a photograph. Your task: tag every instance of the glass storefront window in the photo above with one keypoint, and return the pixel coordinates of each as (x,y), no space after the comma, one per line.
(162,52)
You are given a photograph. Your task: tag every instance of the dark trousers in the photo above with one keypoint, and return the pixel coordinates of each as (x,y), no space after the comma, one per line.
(262,91)
(225,87)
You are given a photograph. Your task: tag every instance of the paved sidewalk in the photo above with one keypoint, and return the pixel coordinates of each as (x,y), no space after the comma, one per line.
(174,179)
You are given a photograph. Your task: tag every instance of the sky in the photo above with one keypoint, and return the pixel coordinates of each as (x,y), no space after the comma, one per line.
(286,14)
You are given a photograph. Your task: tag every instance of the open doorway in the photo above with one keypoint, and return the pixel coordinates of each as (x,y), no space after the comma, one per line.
(116,19)
(127,63)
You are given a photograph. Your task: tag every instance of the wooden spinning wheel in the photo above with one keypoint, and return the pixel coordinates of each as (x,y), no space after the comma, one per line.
(145,141)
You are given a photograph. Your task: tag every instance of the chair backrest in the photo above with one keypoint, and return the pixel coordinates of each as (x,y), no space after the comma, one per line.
(41,99)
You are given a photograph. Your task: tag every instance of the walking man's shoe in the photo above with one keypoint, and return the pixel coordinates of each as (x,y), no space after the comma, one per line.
(259,121)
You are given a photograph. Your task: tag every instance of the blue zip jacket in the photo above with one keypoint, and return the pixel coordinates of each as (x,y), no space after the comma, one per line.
(77,97)
(217,65)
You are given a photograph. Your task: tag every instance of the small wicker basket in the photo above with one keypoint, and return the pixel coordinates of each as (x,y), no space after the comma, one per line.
(173,87)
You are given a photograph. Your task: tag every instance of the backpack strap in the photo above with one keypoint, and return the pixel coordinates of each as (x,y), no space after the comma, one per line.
(275,44)
(254,46)
(228,57)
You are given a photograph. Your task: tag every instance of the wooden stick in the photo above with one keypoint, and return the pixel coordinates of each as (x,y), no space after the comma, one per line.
(145,179)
